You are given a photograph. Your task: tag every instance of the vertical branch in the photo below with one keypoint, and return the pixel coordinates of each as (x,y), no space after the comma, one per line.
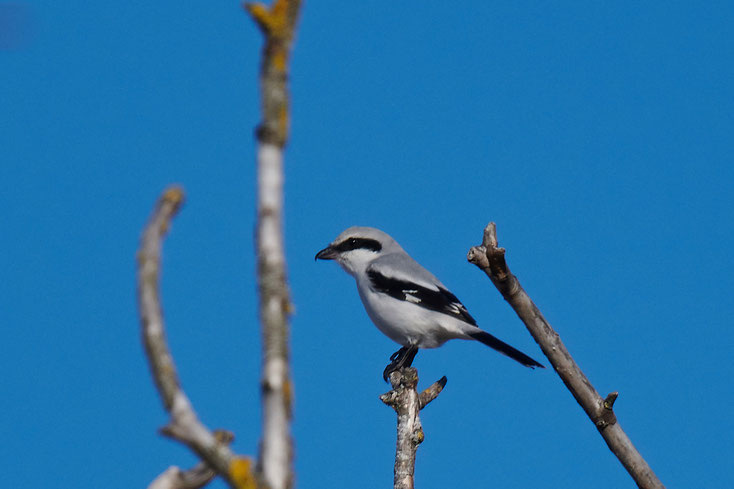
(276,445)
(491,259)
(277,24)
(407,403)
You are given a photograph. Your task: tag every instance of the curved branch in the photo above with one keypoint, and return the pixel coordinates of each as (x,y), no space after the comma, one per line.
(491,259)
(407,403)
(277,24)
(184,425)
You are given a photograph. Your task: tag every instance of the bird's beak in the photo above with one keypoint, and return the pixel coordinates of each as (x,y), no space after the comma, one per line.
(327,253)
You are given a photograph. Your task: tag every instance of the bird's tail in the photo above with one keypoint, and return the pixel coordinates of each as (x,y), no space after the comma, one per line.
(504,348)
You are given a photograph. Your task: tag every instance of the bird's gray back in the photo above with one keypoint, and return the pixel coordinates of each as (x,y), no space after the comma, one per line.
(400,265)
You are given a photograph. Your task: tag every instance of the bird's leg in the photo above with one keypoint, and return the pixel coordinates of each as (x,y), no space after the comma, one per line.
(401,358)
(410,356)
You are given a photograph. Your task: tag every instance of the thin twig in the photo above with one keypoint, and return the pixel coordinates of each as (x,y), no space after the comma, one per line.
(431,392)
(407,403)
(184,425)
(196,477)
(277,23)
(175,478)
(491,259)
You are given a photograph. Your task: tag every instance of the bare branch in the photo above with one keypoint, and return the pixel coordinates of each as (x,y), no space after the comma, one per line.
(196,477)
(184,425)
(407,403)
(175,478)
(491,259)
(277,24)
(432,392)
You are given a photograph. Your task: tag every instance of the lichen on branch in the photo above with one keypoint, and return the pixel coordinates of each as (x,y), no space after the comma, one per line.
(278,25)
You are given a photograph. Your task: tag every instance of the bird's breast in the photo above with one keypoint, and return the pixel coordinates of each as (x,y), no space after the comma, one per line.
(406,323)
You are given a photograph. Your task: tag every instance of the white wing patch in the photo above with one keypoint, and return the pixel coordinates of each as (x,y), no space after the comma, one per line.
(410,297)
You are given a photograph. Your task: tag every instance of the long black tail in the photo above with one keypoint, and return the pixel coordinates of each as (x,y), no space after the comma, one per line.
(504,348)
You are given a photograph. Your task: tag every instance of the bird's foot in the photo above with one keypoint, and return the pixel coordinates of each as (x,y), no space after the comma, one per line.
(400,359)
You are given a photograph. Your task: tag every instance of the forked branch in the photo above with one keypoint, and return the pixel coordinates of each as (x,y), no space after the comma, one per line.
(278,25)
(407,403)
(490,258)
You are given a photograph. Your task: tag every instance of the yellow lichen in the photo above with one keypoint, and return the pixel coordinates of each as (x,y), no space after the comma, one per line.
(280,59)
(273,21)
(259,13)
(240,471)
(288,396)
(283,119)
(279,17)
(174,195)
(419,437)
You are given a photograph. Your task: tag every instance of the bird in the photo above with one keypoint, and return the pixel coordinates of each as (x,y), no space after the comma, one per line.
(406,302)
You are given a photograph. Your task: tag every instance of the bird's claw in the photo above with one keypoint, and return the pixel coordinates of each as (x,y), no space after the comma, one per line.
(400,359)
(388,370)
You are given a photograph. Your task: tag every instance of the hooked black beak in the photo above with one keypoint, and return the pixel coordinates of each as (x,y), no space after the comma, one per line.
(327,253)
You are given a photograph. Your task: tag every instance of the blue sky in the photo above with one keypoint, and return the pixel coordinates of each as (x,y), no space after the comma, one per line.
(599,138)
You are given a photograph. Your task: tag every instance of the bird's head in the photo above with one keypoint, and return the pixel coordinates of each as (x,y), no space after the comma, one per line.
(356,247)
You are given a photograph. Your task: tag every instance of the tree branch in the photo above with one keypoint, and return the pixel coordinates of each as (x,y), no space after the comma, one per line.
(196,477)
(184,425)
(277,24)
(491,259)
(407,403)
(175,478)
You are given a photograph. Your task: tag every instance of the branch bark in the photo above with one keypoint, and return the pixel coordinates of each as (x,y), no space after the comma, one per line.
(277,24)
(196,477)
(491,259)
(184,424)
(175,478)
(407,403)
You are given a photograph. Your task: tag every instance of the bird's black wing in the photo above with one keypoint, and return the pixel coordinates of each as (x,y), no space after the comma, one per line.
(435,298)
(430,293)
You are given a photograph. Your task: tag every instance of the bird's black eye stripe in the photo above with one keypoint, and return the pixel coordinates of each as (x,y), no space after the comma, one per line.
(358,243)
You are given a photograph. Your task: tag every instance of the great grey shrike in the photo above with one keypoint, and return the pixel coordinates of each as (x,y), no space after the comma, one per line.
(404,300)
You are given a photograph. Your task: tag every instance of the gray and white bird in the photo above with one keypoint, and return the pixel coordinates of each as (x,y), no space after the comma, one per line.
(404,300)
